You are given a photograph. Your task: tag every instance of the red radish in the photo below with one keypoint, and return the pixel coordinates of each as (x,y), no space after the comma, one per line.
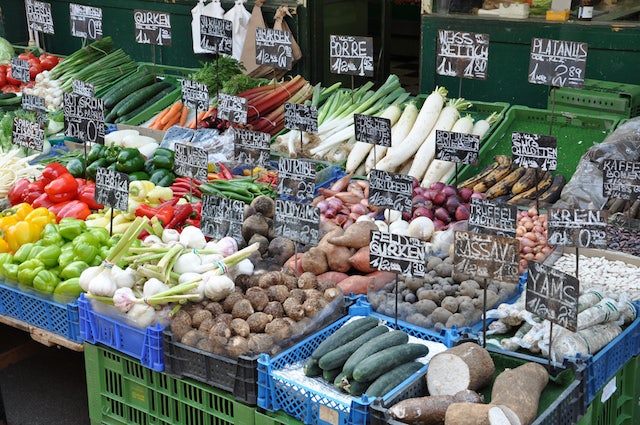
(465,193)
(462,212)
(442,214)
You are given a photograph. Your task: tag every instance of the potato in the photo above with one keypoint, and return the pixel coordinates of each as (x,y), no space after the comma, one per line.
(307,280)
(444,269)
(274,308)
(257,297)
(468,288)
(418,320)
(425,307)
(313,306)
(240,327)
(257,321)
(242,309)
(278,293)
(237,346)
(433,261)
(231,300)
(431,294)
(293,309)
(456,319)
(440,315)
(450,303)
(260,343)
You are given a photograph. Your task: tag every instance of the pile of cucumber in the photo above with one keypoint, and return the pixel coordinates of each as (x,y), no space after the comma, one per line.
(365,357)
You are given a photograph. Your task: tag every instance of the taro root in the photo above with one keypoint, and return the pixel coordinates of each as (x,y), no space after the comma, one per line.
(215,308)
(231,300)
(307,280)
(205,344)
(260,343)
(207,324)
(224,318)
(192,337)
(199,316)
(293,309)
(257,321)
(219,344)
(313,306)
(298,294)
(181,324)
(278,293)
(240,327)
(331,294)
(274,309)
(258,298)
(237,346)
(242,309)
(270,279)
(311,293)
(280,329)
(220,329)
(290,281)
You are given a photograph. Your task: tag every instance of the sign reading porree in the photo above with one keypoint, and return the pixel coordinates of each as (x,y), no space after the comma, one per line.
(351,55)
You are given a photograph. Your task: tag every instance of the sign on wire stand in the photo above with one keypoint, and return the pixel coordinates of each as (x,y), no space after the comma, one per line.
(486,256)
(216,35)
(84,118)
(462,54)
(489,217)
(351,55)
(552,295)
(39,16)
(296,179)
(252,147)
(581,228)
(534,151)
(557,63)
(82,88)
(390,190)
(20,70)
(86,21)
(222,217)
(28,134)
(397,253)
(373,130)
(190,161)
(296,221)
(301,117)
(461,148)
(152,27)
(232,108)
(195,95)
(621,179)
(274,48)
(112,189)
(35,104)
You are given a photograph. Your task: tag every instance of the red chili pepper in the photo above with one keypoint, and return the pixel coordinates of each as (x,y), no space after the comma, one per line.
(16,194)
(226,172)
(181,214)
(42,201)
(193,222)
(76,209)
(164,214)
(53,171)
(62,188)
(88,195)
(171,203)
(34,190)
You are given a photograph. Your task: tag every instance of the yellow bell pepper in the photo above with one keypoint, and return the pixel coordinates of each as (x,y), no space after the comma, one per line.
(4,246)
(19,211)
(41,216)
(20,233)
(7,221)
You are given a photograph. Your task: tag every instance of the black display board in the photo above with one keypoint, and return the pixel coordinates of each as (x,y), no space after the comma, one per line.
(222,217)
(621,179)
(534,151)
(373,130)
(20,70)
(486,256)
(252,147)
(397,253)
(28,134)
(296,179)
(296,221)
(112,189)
(195,95)
(552,295)
(216,35)
(85,21)
(351,55)
(83,88)
(557,63)
(84,118)
(583,228)
(461,148)
(391,190)
(489,217)
(462,54)
(232,108)
(190,161)
(152,27)
(35,104)
(301,117)
(274,48)
(39,16)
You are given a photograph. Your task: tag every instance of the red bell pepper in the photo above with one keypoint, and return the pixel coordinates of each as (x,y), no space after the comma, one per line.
(42,201)
(54,170)
(57,207)
(63,188)
(35,189)
(16,194)
(76,209)
(164,214)
(11,80)
(88,195)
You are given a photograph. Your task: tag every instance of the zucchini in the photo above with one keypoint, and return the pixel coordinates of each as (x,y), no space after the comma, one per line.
(137,98)
(387,359)
(346,333)
(391,379)
(128,85)
(378,343)
(311,368)
(336,358)
(330,375)
(152,101)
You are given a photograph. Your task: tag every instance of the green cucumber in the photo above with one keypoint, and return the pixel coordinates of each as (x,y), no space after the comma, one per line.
(127,86)
(346,333)
(356,388)
(383,361)
(336,358)
(152,101)
(8,95)
(137,98)
(391,379)
(378,343)
(10,101)
(311,368)
(330,375)
(339,382)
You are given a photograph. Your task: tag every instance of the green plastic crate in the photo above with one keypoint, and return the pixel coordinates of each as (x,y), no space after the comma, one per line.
(275,418)
(123,392)
(598,97)
(575,134)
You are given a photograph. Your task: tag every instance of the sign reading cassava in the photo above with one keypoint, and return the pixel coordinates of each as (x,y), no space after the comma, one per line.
(486,256)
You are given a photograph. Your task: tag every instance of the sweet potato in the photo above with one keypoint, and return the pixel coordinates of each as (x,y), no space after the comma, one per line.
(331,277)
(356,236)
(361,284)
(360,260)
(315,261)
(295,263)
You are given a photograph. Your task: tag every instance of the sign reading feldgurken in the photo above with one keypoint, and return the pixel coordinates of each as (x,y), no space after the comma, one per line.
(462,54)
(557,63)
(351,55)
(397,253)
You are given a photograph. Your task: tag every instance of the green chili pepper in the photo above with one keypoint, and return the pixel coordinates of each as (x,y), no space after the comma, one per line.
(70,287)
(45,281)
(70,228)
(49,255)
(129,160)
(28,270)
(162,177)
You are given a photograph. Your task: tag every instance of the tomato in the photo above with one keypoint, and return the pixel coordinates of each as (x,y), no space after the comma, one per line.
(10,78)
(34,70)
(3,79)
(26,56)
(48,61)
(10,89)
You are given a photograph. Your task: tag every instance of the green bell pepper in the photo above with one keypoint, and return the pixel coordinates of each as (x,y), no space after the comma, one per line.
(70,287)
(129,160)
(163,158)
(162,177)
(92,168)
(51,236)
(101,233)
(5,259)
(73,269)
(49,255)
(105,250)
(138,175)
(149,168)
(97,261)
(10,271)
(66,257)
(76,167)
(111,153)
(46,281)
(22,254)
(86,247)
(97,151)
(70,228)
(28,270)
(113,166)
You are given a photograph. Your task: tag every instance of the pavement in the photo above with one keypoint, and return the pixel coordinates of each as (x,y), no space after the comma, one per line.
(40,385)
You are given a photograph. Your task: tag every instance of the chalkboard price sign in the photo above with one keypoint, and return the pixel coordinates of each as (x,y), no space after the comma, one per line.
(33,103)
(28,134)
(301,117)
(577,227)
(534,151)
(461,148)
(296,179)
(82,88)
(86,21)
(152,27)
(84,118)
(190,161)
(216,35)
(552,295)
(274,48)
(397,253)
(112,189)
(222,217)
(390,190)
(486,256)
(373,130)
(232,108)
(488,217)
(252,147)
(462,54)
(195,95)
(557,63)
(351,55)
(621,179)
(39,16)
(296,221)
(20,70)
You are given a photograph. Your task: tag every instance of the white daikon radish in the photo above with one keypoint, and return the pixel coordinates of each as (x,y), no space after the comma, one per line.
(427,151)
(404,168)
(398,133)
(481,127)
(375,155)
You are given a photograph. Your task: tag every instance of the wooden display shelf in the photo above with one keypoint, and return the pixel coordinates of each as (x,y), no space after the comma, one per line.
(42,336)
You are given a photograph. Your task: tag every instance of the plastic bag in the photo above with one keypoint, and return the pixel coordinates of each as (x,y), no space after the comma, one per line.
(213,9)
(239,16)
(248,56)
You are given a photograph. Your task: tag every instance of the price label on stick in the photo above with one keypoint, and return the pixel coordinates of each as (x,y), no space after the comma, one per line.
(373,130)
(534,151)
(577,227)
(486,256)
(152,27)
(86,21)
(20,70)
(190,161)
(621,179)
(489,217)
(82,88)
(462,54)
(216,35)
(232,108)
(301,117)
(35,104)
(28,134)
(390,190)
(84,118)
(39,16)
(296,179)
(296,221)
(557,63)
(112,189)
(274,48)
(351,55)
(195,95)
(252,147)
(397,253)
(461,148)
(222,217)
(552,295)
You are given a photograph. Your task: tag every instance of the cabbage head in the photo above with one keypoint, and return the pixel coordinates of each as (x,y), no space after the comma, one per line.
(6,51)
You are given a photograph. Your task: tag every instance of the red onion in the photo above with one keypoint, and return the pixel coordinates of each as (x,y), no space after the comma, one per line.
(439,198)
(477,195)
(330,213)
(322,205)
(359,209)
(423,212)
(436,185)
(334,203)
(462,212)
(442,214)
(451,204)
(439,224)
(465,193)
(450,190)
(419,200)
(406,216)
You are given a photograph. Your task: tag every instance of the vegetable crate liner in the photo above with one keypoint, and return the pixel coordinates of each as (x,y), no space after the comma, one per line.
(314,406)
(123,392)
(142,344)
(36,310)
(575,134)
(561,402)
(617,402)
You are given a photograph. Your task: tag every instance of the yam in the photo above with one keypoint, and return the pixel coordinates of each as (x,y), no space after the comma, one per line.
(466,366)
(430,410)
(469,414)
(315,261)
(519,389)
(338,257)
(356,236)
(295,263)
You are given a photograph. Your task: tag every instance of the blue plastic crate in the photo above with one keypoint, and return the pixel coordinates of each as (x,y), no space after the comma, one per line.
(142,344)
(317,407)
(40,311)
